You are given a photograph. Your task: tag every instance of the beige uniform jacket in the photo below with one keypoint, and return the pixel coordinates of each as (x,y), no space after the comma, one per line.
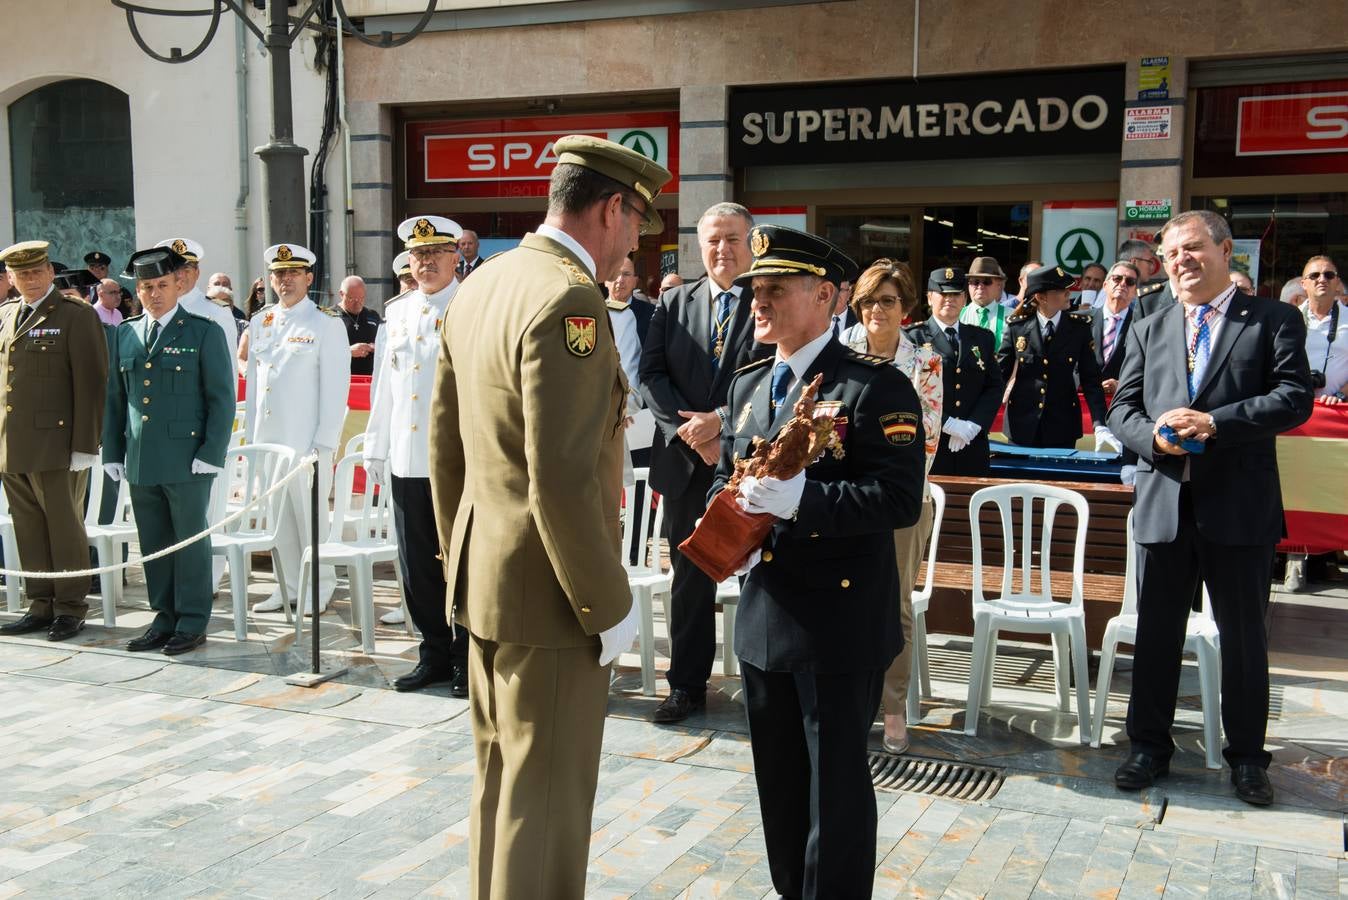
(56,376)
(526,444)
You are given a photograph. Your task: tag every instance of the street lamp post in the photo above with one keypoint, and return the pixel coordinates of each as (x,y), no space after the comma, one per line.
(282,159)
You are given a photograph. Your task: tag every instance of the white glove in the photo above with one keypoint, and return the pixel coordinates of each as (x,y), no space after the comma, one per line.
(81,461)
(962,428)
(619,638)
(971,430)
(749,563)
(952,427)
(772,495)
(1105,438)
(1128,475)
(957,442)
(376,470)
(205,468)
(115,471)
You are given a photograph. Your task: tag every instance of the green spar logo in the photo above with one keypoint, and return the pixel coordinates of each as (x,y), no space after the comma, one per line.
(1075,255)
(642,142)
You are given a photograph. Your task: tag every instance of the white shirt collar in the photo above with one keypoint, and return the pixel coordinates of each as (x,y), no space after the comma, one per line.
(570,243)
(803,358)
(943,326)
(166,318)
(1121,314)
(1057,317)
(716,292)
(440,296)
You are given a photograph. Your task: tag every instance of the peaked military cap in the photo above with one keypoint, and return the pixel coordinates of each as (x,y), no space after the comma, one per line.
(187,248)
(288,256)
(25,255)
(154,263)
(426,231)
(642,174)
(947,280)
(1048,278)
(402,264)
(779,250)
(97,258)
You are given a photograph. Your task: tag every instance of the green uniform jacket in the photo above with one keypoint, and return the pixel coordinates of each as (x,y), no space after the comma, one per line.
(56,370)
(526,444)
(170,406)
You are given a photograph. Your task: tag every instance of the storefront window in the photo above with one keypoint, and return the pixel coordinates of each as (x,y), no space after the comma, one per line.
(70,151)
(954,235)
(1276,233)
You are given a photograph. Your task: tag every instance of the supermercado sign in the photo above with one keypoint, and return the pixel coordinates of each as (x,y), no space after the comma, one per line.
(881,121)
(515,157)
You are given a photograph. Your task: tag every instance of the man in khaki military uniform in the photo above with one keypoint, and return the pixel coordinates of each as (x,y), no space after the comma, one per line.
(526,446)
(55,360)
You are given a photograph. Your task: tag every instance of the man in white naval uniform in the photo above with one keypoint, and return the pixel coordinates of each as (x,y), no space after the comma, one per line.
(397,451)
(299,374)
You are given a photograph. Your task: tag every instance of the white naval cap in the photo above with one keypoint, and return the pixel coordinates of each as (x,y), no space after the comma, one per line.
(423,231)
(187,248)
(402,264)
(288,256)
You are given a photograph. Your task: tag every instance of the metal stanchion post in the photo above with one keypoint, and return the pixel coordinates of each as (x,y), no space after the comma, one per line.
(317,675)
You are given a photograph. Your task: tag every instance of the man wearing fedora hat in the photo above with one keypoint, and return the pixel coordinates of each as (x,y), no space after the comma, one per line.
(526,453)
(987,283)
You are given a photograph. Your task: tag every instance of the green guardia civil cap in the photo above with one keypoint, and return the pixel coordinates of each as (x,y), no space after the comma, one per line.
(641,173)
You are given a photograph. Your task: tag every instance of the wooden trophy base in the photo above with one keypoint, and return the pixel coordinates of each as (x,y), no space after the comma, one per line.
(725,537)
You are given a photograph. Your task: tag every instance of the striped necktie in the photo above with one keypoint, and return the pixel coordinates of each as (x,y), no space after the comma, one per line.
(723,301)
(1111,335)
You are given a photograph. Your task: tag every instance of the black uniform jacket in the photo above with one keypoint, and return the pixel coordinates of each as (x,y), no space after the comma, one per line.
(824,598)
(1043,409)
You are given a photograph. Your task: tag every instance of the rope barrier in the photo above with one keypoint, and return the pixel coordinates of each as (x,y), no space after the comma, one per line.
(303,466)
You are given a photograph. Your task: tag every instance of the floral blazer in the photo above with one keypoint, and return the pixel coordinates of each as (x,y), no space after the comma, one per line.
(923,368)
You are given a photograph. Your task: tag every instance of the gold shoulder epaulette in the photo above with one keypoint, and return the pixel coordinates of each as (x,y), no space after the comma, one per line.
(1081,316)
(754,365)
(1023,317)
(333,311)
(1150,288)
(867,358)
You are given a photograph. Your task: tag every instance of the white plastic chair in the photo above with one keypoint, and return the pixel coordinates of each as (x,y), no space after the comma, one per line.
(108,540)
(641,537)
(9,548)
(374,542)
(253,469)
(919,681)
(728,595)
(1020,609)
(1200,638)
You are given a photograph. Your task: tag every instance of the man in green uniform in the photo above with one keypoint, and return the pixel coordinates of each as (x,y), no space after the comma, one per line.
(170,408)
(526,447)
(55,363)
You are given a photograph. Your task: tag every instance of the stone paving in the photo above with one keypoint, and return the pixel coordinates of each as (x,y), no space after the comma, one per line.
(208,776)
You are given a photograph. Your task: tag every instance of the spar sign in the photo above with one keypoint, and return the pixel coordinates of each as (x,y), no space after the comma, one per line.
(515,157)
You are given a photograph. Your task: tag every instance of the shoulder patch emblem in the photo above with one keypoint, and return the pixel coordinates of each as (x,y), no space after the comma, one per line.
(580,335)
(900,428)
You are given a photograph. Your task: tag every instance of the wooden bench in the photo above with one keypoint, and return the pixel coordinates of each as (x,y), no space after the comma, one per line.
(1106,537)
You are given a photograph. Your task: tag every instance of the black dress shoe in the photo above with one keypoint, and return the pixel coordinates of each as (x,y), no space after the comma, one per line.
(1252,784)
(181,643)
(63,627)
(1140,771)
(678,706)
(459,686)
(27,624)
(150,640)
(422,676)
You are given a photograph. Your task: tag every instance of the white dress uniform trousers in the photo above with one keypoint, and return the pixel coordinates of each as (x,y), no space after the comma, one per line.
(299,374)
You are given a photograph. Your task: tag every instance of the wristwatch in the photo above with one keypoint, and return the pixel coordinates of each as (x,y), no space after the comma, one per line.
(1212,425)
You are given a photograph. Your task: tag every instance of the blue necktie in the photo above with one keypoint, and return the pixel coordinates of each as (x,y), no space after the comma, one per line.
(781,379)
(718,337)
(1201,349)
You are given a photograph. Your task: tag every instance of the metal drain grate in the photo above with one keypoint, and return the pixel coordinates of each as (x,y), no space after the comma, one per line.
(937,777)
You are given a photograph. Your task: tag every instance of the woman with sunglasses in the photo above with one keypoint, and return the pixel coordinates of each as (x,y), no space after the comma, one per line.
(885,295)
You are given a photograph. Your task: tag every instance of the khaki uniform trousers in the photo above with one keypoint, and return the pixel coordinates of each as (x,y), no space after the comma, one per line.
(48,512)
(538,724)
(909,544)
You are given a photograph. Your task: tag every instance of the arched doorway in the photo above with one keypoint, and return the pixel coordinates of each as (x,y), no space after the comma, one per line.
(70,166)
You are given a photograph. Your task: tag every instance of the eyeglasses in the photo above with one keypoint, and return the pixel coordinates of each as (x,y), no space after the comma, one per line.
(886,301)
(1123,279)
(1316,276)
(641,214)
(980,282)
(425,253)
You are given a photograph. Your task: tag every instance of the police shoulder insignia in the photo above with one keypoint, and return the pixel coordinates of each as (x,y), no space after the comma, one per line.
(1020,343)
(581,333)
(754,365)
(899,427)
(867,358)
(1150,288)
(1081,316)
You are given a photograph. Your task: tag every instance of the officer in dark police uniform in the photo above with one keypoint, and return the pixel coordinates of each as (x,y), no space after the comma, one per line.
(1043,348)
(818,619)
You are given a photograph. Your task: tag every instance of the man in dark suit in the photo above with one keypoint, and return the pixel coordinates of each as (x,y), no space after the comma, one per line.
(700,334)
(1111,320)
(970,380)
(469,259)
(818,624)
(1230,373)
